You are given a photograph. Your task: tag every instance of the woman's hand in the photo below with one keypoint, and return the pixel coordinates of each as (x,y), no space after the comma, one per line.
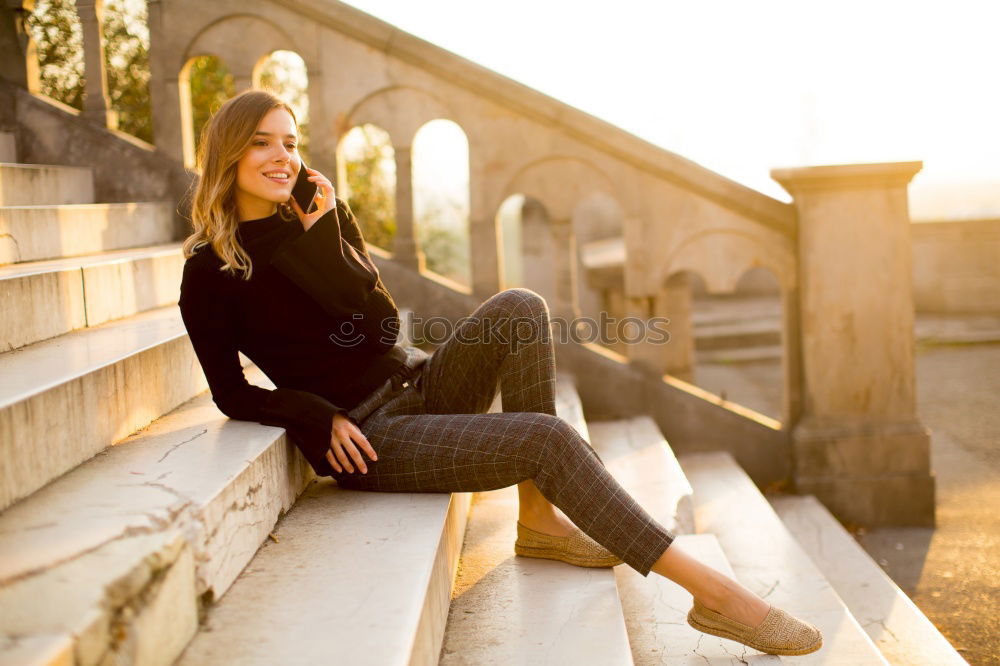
(325,199)
(345,450)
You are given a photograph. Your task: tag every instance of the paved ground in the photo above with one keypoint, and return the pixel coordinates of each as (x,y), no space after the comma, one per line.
(952,572)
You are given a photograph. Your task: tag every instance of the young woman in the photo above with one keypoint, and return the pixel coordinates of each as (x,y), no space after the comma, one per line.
(298,294)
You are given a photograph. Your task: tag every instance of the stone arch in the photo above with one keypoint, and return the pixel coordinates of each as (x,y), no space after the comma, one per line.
(722,256)
(562,181)
(400,110)
(243,41)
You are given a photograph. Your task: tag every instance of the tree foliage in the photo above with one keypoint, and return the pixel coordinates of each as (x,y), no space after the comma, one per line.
(211,85)
(371,187)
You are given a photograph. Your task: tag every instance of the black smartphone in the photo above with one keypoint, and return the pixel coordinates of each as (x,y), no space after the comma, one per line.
(304,190)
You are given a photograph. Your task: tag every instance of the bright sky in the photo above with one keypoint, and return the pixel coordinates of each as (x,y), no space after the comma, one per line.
(742,87)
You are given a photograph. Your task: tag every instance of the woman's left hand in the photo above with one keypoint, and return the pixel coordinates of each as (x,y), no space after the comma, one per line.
(325,199)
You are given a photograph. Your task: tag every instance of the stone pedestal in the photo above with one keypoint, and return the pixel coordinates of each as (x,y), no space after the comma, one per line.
(859,446)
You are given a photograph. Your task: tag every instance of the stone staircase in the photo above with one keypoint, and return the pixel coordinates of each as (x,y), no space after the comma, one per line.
(139,525)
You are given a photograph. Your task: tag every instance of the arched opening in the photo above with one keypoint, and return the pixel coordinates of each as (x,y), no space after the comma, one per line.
(600,256)
(56,37)
(284,73)
(440,159)
(205,84)
(367,181)
(738,342)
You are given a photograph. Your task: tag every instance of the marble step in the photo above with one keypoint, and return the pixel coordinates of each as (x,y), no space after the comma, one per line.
(65,399)
(8,148)
(768,560)
(36,184)
(899,628)
(638,456)
(110,562)
(43,299)
(763,331)
(51,231)
(507,609)
(656,615)
(352,577)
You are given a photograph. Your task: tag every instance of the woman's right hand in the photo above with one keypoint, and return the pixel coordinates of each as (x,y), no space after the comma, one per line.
(343,447)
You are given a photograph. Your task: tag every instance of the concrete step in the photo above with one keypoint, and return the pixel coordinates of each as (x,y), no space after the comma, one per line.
(114,557)
(764,331)
(8,148)
(65,399)
(656,615)
(900,630)
(43,299)
(638,456)
(352,577)
(768,560)
(37,184)
(518,610)
(33,233)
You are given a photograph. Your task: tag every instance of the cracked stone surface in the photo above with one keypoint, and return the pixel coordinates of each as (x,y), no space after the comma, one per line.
(346,563)
(768,560)
(218,483)
(516,610)
(901,631)
(82,391)
(656,614)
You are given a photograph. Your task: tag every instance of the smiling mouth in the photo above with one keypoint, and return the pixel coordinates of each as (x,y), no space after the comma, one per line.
(282,181)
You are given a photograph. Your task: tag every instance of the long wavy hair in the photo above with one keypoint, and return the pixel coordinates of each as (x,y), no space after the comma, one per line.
(225,138)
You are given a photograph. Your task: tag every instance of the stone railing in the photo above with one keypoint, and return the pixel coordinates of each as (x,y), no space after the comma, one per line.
(840,252)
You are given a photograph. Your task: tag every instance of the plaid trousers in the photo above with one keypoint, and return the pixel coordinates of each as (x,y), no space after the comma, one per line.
(435,435)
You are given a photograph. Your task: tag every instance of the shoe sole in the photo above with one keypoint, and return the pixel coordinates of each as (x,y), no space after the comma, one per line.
(552,554)
(722,633)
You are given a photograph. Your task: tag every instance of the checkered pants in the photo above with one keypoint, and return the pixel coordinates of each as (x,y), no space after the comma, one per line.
(436,436)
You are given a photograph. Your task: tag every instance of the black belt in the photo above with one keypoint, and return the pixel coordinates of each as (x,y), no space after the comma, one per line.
(412,360)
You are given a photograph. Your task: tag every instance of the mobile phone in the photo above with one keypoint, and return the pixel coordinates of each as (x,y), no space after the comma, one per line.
(304,190)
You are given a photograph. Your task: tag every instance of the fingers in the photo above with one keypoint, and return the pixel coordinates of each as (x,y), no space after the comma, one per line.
(345,451)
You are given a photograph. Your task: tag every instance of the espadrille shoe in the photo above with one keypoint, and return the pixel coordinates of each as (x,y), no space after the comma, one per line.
(779,633)
(577,548)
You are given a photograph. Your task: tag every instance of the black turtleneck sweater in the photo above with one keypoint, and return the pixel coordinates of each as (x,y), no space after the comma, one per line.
(314,317)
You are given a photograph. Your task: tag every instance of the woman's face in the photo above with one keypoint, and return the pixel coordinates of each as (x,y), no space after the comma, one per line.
(260,186)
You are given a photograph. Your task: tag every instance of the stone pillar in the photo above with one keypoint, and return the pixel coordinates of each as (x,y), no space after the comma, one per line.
(564,264)
(96,104)
(405,248)
(164,88)
(323,131)
(674,357)
(536,251)
(18,62)
(859,446)
(485,243)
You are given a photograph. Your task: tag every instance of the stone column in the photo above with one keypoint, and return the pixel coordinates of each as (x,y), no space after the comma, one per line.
(564,264)
(485,244)
(536,251)
(674,357)
(405,248)
(859,446)
(164,88)
(18,61)
(96,104)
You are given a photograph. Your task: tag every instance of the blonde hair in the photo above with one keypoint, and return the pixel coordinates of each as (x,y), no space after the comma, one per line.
(225,138)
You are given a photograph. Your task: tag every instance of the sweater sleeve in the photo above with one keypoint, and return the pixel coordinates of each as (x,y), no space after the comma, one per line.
(207,316)
(334,268)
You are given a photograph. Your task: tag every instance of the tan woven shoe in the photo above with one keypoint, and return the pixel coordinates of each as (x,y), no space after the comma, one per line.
(779,633)
(577,548)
